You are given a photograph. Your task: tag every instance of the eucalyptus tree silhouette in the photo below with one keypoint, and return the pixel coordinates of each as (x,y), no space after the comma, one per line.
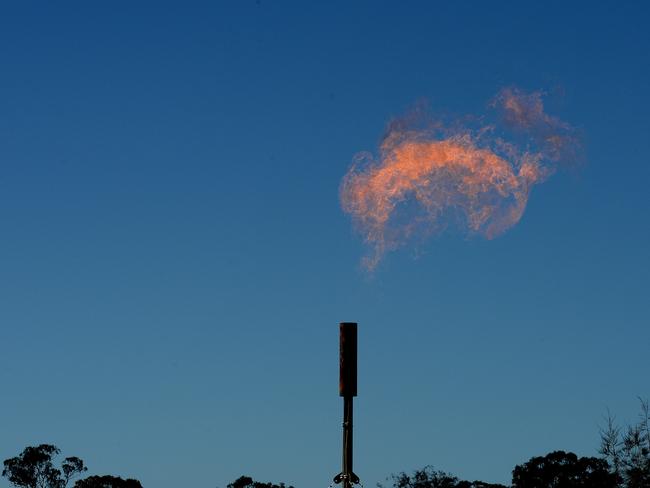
(248,482)
(561,469)
(478,484)
(107,481)
(428,477)
(34,468)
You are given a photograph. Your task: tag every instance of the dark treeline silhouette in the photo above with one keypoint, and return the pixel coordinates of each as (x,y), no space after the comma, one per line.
(248,482)
(430,478)
(564,470)
(558,469)
(34,468)
(625,463)
(107,481)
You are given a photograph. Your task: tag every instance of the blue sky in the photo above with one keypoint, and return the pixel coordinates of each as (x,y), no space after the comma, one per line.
(174,261)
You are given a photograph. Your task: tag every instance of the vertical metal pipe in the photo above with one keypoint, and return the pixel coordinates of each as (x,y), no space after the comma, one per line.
(347,442)
(348,390)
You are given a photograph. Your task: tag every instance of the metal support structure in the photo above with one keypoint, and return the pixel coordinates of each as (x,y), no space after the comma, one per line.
(348,390)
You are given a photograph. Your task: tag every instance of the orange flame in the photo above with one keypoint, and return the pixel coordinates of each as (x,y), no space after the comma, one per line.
(485,184)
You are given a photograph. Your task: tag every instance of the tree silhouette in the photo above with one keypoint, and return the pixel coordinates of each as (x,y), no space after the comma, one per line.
(248,482)
(424,478)
(107,482)
(561,469)
(628,452)
(33,468)
(430,478)
(478,484)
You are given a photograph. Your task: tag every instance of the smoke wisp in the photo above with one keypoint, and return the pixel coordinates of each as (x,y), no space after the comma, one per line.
(477,176)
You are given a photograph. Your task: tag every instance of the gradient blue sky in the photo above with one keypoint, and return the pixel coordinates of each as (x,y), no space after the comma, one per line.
(174,261)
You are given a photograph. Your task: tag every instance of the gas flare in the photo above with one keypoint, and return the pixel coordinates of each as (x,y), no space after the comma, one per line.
(428,174)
